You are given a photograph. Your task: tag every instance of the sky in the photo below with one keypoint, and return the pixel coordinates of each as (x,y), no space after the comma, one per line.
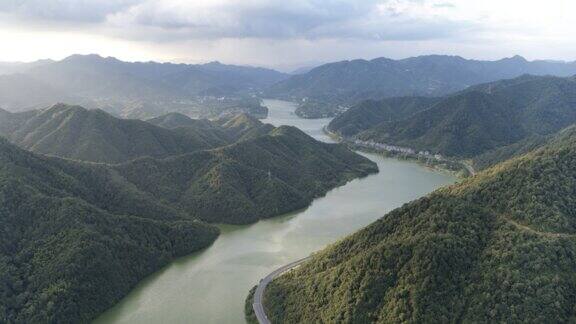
(286,34)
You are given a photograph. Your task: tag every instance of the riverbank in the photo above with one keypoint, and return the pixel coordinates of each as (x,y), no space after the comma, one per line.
(458,168)
(211,286)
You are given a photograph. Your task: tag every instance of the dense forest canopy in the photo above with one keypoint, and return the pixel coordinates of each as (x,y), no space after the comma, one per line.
(76,236)
(481,120)
(252,179)
(498,247)
(94,135)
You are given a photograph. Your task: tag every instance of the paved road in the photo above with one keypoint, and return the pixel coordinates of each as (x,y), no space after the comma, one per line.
(259,294)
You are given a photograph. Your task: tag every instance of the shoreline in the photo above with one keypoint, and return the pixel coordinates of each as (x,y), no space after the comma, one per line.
(458,168)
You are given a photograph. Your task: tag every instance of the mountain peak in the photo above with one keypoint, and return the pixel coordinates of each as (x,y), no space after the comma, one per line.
(516,58)
(214,63)
(89,58)
(63,106)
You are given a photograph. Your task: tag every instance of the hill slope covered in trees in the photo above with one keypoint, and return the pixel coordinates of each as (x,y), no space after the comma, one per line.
(370,113)
(484,118)
(94,135)
(499,247)
(252,179)
(75,238)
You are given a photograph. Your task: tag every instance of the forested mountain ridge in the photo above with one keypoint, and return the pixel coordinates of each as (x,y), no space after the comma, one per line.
(174,120)
(434,75)
(370,113)
(498,247)
(77,236)
(250,180)
(484,118)
(525,146)
(74,238)
(94,135)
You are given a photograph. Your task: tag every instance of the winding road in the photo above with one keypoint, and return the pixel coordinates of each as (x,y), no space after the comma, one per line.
(259,294)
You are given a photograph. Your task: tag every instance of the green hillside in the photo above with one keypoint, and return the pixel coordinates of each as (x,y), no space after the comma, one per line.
(485,117)
(243,127)
(93,135)
(174,120)
(499,247)
(75,238)
(370,113)
(249,180)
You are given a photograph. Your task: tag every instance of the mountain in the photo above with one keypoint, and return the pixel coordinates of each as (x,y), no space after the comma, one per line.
(139,89)
(243,126)
(233,170)
(96,76)
(19,92)
(498,247)
(75,238)
(175,120)
(94,135)
(370,113)
(522,147)
(485,117)
(249,180)
(349,82)
(19,67)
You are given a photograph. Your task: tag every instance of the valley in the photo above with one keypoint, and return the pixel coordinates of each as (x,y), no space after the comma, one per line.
(211,285)
(287,162)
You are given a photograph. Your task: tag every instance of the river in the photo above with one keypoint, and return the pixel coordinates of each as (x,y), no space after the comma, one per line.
(210,286)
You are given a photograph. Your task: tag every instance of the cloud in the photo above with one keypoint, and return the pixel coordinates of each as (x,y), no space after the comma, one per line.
(307,19)
(286,31)
(171,20)
(64,10)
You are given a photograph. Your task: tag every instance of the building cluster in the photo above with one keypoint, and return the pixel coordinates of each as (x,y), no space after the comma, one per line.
(395,149)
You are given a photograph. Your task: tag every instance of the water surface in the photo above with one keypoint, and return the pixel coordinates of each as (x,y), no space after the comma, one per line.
(211,286)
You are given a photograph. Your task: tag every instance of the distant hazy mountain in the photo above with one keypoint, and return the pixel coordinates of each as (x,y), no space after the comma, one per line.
(499,247)
(304,69)
(474,121)
(128,89)
(349,82)
(20,92)
(18,67)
